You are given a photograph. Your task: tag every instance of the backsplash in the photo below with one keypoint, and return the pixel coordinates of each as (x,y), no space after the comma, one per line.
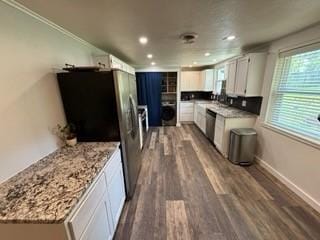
(196,95)
(253,104)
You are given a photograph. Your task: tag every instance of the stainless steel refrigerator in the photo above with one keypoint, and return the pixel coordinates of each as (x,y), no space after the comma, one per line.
(103,107)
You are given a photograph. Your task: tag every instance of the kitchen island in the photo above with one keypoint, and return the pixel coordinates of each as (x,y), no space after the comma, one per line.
(60,193)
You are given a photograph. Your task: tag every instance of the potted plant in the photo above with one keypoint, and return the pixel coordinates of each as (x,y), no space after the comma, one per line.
(68,134)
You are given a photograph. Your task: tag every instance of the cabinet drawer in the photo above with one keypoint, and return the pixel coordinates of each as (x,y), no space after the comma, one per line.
(186,110)
(113,164)
(82,217)
(186,104)
(186,117)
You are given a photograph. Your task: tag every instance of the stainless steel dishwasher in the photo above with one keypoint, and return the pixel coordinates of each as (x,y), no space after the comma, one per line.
(210,124)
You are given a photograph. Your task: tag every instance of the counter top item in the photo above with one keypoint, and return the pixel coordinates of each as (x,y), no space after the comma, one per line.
(48,190)
(229,112)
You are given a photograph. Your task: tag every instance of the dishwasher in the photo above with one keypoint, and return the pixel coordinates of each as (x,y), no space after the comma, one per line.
(210,124)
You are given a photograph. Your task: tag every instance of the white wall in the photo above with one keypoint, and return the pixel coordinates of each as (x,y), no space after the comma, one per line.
(295,163)
(30,104)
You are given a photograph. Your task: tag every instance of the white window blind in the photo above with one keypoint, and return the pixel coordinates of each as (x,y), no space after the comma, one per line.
(295,94)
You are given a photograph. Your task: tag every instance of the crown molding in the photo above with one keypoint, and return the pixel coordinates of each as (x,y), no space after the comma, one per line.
(46,21)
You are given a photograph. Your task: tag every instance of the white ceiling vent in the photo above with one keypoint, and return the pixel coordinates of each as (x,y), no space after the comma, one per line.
(188,38)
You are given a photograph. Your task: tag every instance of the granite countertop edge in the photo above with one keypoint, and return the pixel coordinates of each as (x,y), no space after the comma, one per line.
(111,148)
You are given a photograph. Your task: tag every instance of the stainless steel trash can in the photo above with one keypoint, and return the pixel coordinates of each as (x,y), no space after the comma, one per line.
(242,145)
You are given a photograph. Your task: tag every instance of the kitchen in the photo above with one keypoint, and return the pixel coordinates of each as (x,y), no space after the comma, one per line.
(224,143)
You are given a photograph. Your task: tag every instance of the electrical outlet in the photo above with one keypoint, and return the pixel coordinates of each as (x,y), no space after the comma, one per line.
(244,103)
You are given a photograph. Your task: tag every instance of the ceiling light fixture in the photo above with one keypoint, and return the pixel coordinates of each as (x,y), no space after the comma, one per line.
(143,40)
(231,37)
(214,60)
(194,63)
(207,54)
(149,56)
(190,66)
(153,63)
(189,37)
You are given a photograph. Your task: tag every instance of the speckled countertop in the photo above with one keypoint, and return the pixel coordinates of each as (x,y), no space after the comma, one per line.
(47,191)
(229,112)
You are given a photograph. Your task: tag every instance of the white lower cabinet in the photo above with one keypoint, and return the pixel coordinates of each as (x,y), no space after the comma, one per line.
(200,116)
(95,217)
(98,214)
(99,227)
(116,195)
(186,111)
(218,133)
(222,131)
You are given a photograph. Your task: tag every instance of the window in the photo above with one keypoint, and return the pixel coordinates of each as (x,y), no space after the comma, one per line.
(295,93)
(219,80)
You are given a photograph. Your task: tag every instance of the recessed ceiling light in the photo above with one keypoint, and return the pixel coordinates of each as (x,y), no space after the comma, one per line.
(207,54)
(143,40)
(153,63)
(190,66)
(230,38)
(194,63)
(149,56)
(214,60)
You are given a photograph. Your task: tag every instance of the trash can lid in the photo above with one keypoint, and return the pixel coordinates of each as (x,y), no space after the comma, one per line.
(244,131)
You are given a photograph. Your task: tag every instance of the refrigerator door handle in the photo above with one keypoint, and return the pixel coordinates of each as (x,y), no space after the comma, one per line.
(133,116)
(129,122)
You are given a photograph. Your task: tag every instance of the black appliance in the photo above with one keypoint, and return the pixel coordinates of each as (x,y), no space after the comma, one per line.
(210,124)
(169,113)
(102,106)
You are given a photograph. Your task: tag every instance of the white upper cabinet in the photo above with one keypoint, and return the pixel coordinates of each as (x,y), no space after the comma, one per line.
(190,81)
(245,75)
(231,77)
(207,79)
(197,81)
(241,76)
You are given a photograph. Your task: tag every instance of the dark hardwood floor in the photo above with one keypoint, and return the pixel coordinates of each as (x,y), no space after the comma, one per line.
(187,190)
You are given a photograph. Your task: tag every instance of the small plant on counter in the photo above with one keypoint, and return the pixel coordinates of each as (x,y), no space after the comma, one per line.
(67,133)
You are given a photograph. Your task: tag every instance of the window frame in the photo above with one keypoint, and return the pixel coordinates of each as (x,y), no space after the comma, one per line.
(217,80)
(271,99)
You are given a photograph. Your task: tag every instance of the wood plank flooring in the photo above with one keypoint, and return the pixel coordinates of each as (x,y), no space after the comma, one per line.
(187,190)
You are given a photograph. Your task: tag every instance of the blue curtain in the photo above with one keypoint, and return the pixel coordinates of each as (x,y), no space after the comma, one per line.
(149,93)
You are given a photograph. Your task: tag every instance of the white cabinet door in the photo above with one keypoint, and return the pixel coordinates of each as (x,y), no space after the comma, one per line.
(82,216)
(219,131)
(241,76)
(190,81)
(195,113)
(202,122)
(185,81)
(195,81)
(116,194)
(98,228)
(186,111)
(198,122)
(207,80)
(231,77)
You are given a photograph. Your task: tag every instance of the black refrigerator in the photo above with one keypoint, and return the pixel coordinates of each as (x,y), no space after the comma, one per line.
(103,107)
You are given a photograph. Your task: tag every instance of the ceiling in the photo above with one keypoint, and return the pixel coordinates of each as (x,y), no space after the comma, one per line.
(116,25)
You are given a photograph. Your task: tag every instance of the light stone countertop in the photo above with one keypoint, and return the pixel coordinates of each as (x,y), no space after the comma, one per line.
(48,190)
(229,112)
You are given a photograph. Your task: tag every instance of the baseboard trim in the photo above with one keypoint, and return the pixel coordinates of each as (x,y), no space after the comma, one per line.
(306,197)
